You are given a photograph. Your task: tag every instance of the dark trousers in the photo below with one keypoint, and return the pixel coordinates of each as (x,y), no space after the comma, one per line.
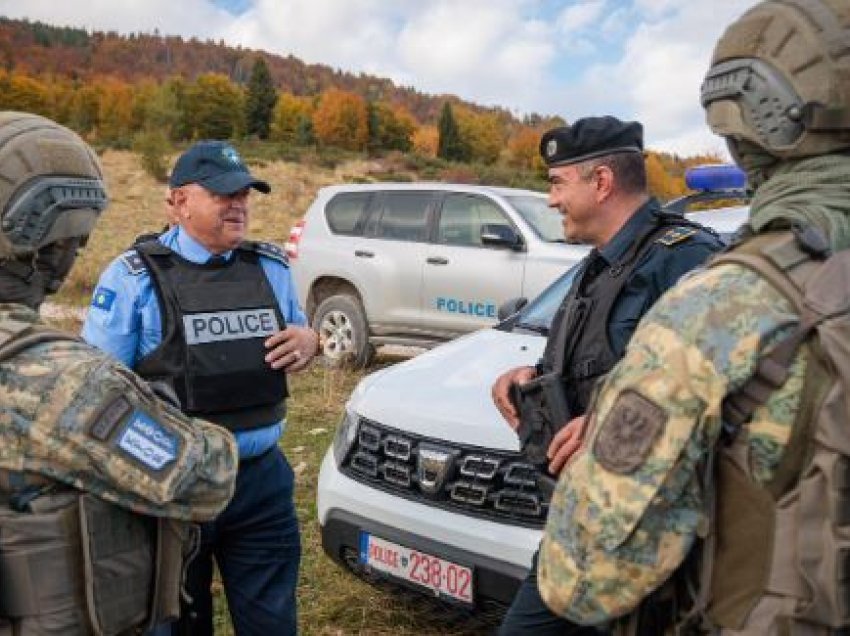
(528,615)
(257,546)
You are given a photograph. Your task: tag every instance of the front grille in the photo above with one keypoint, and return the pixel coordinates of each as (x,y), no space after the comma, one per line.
(463,478)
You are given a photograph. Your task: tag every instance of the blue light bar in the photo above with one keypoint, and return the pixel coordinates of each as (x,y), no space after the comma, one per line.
(714,177)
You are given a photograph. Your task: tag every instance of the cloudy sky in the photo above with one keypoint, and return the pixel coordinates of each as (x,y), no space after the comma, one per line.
(637,59)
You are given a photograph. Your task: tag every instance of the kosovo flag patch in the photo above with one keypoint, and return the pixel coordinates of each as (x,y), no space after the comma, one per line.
(103,298)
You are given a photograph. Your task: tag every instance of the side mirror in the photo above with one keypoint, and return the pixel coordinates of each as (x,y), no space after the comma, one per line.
(499,235)
(510,307)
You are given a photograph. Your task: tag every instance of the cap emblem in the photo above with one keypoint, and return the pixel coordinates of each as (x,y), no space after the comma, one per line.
(231,155)
(552,148)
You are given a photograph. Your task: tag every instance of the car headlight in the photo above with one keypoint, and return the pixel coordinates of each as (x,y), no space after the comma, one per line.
(346,433)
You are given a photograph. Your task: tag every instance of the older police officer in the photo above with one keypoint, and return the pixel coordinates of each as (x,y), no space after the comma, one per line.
(598,184)
(217,319)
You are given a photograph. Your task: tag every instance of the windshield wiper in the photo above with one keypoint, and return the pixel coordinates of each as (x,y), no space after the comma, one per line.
(541,329)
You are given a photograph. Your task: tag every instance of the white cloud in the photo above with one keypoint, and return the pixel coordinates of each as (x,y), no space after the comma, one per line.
(641,59)
(186,17)
(579,16)
(657,79)
(480,48)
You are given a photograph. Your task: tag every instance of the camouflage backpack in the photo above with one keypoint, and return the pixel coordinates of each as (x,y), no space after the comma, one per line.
(777,556)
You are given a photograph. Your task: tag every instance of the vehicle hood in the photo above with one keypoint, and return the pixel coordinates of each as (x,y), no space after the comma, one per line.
(445,392)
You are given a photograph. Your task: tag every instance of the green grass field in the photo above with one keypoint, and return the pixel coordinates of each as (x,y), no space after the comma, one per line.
(330,600)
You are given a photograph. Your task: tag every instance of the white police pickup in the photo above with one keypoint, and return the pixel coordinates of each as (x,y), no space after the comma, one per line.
(420,263)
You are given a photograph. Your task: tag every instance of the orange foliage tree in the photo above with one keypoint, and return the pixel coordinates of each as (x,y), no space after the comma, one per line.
(524,149)
(390,127)
(426,140)
(115,111)
(292,119)
(340,120)
(24,93)
(660,181)
(214,107)
(483,134)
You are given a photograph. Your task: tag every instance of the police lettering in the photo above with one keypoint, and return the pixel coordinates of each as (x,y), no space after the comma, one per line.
(229,325)
(468,307)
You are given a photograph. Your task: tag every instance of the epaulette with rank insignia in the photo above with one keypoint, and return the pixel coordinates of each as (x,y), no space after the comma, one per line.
(269,250)
(676,235)
(133,262)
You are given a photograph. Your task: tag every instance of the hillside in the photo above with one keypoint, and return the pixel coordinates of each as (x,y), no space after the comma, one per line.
(36,48)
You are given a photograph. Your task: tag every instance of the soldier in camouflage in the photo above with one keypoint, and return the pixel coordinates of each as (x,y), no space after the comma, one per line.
(98,475)
(638,494)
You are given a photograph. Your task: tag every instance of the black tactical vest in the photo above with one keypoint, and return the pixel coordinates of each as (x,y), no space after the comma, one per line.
(579,346)
(215,318)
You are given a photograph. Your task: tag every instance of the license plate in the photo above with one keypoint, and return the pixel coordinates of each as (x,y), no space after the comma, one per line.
(442,577)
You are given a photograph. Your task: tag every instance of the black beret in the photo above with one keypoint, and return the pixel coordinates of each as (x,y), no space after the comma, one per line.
(588,138)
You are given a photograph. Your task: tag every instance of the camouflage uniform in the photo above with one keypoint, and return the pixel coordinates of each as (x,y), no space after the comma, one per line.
(54,395)
(630,505)
(99,479)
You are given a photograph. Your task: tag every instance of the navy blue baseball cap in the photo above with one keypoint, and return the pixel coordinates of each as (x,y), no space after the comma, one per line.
(216,166)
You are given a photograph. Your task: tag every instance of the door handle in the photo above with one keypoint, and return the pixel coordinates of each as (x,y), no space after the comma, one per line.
(363,253)
(437,260)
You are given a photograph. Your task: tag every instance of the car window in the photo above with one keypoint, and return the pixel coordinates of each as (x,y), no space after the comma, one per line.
(462,217)
(404,216)
(545,221)
(537,315)
(345,212)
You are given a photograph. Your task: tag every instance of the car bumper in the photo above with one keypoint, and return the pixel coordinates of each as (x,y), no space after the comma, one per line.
(346,508)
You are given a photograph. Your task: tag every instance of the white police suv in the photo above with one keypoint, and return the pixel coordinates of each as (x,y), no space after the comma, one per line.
(424,484)
(420,263)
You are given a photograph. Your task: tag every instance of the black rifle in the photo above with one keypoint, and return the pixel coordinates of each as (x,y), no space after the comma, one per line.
(543,410)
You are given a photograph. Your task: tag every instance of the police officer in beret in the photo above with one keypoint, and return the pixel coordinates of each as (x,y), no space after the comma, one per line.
(217,318)
(598,184)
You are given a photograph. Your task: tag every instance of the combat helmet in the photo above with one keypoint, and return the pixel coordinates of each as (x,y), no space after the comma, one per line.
(780,78)
(51,185)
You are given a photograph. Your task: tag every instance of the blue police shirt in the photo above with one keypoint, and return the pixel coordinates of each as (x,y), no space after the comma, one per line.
(124,318)
(659,269)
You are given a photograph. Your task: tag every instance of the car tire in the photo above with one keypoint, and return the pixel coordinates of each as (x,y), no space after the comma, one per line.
(341,324)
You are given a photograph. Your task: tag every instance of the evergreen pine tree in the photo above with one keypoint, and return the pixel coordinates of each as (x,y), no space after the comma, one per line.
(260,100)
(450,146)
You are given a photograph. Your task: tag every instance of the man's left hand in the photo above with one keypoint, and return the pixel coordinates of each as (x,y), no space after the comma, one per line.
(565,443)
(292,348)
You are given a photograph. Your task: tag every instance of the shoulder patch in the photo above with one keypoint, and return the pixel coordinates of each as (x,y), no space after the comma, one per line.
(628,433)
(148,441)
(102,298)
(269,250)
(676,235)
(133,262)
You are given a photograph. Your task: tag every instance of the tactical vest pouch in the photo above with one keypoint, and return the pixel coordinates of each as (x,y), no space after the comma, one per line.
(119,557)
(743,543)
(176,544)
(41,571)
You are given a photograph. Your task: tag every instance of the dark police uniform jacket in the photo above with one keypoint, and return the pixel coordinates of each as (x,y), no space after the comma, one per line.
(617,284)
(216,317)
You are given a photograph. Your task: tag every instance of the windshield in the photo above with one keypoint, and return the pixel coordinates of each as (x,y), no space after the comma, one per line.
(545,221)
(537,315)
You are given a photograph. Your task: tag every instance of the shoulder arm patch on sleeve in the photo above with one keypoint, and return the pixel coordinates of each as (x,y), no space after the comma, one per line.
(133,262)
(136,434)
(269,250)
(676,235)
(626,436)
(148,441)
